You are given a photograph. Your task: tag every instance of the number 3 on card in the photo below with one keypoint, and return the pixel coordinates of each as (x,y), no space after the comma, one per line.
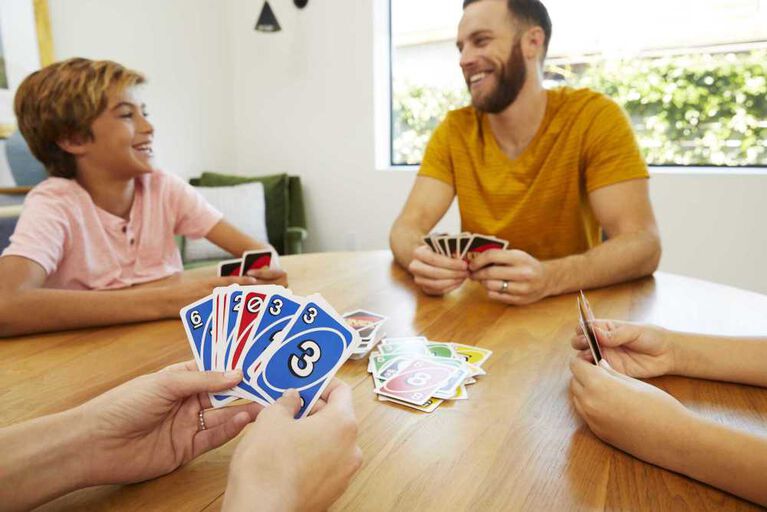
(310,355)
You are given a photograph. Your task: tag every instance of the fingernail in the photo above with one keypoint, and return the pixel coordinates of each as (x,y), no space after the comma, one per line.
(232,374)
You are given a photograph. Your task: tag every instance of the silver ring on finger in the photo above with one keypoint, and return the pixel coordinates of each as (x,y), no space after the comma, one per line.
(202,419)
(504,286)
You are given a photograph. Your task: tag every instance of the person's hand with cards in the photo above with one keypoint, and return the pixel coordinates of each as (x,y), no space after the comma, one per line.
(261,264)
(278,340)
(434,272)
(443,262)
(511,276)
(421,374)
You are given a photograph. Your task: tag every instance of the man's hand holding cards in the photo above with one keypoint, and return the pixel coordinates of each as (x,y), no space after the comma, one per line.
(278,340)
(442,264)
(262,264)
(511,276)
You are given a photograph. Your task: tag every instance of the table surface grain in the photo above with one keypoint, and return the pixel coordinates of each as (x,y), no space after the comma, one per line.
(515,444)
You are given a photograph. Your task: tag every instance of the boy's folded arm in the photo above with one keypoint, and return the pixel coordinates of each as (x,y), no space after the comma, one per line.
(26,307)
(34,310)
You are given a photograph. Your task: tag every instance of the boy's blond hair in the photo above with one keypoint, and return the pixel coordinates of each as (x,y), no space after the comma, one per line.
(61,101)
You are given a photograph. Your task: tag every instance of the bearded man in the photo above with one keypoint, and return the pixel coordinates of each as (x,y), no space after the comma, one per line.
(557,173)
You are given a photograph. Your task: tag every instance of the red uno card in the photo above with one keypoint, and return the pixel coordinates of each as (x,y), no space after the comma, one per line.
(229,268)
(254,260)
(482,243)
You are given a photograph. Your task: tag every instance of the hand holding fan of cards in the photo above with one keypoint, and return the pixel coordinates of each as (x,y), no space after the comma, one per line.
(278,340)
(465,246)
(422,374)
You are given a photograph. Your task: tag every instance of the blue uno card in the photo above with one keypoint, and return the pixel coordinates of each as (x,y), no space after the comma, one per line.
(197,318)
(313,347)
(276,316)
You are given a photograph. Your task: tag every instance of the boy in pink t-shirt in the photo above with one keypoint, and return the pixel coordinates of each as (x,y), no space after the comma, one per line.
(106,218)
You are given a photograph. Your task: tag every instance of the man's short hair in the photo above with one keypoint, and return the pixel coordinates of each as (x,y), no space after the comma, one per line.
(61,101)
(528,12)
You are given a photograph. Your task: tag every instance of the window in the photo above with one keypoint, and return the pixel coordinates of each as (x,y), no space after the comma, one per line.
(692,74)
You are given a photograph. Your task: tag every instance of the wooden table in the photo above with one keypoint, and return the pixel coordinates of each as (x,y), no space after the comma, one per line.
(516,444)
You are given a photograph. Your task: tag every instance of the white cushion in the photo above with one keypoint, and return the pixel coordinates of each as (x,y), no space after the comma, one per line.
(243,206)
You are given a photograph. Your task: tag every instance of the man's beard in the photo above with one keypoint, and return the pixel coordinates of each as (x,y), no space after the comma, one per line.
(511,78)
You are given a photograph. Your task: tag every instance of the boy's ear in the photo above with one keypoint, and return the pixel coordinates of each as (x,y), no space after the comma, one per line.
(75,145)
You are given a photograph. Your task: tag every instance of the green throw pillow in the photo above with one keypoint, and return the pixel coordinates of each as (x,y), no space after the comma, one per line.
(275,197)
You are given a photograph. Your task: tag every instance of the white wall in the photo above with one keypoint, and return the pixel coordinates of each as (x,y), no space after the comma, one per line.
(226,97)
(182,46)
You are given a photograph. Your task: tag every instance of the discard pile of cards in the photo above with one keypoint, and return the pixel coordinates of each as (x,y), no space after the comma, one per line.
(279,341)
(368,326)
(586,319)
(251,260)
(465,246)
(422,374)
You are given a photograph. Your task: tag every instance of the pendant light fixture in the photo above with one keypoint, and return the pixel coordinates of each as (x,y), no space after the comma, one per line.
(267,21)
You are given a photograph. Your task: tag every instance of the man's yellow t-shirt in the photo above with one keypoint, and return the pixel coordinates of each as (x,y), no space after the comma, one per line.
(538,201)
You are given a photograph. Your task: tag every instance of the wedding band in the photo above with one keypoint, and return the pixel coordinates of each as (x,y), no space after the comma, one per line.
(202,420)
(504,286)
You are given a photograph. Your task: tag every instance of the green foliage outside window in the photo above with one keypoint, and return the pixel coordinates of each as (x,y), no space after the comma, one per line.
(701,109)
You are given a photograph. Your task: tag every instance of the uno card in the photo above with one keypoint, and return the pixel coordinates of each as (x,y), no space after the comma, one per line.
(363,321)
(481,243)
(463,243)
(404,348)
(438,349)
(313,346)
(277,314)
(586,320)
(417,382)
(229,267)
(251,305)
(430,243)
(254,260)
(196,318)
(430,405)
(442,243)
(472,355)
(451,244)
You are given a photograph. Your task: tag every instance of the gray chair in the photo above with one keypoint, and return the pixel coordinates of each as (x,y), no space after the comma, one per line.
(27,172)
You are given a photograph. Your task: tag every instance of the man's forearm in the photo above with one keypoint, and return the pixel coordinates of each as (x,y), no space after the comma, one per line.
(41,310)
(625,257)
(403,241)
(41,460)
(720,358)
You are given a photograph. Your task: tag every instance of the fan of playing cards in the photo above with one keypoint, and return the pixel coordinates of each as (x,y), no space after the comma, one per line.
(464,246)
(279,341)
(422,374)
